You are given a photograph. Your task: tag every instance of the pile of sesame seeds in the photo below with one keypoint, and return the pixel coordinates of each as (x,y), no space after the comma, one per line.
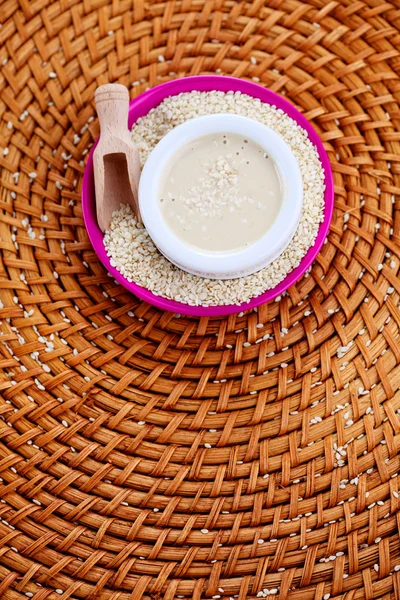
(130,248)
(217,189)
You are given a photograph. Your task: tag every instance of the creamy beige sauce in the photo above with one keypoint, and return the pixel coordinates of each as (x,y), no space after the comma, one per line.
(220,192)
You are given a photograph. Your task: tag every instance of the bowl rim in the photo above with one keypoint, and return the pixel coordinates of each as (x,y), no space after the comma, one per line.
(227,264)
(139,107)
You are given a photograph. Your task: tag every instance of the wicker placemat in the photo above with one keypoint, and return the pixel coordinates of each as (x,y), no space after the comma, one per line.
(147,455)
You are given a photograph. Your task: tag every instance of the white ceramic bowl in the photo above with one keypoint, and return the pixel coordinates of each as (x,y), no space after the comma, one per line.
(233,263)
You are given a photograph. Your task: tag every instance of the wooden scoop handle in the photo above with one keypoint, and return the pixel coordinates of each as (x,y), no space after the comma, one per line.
(112,104)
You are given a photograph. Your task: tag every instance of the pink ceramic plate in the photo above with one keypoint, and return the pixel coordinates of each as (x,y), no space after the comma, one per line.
(139,107)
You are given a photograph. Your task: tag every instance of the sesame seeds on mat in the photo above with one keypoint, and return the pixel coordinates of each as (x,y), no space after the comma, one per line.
(152,455)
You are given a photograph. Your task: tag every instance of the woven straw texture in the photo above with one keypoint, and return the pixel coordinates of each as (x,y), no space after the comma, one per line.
(147,455)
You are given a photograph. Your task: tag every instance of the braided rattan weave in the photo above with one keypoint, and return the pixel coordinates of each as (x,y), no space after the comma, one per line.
(143,455)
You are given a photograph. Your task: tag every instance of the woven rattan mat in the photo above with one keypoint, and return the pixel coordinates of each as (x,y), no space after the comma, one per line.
(148,455)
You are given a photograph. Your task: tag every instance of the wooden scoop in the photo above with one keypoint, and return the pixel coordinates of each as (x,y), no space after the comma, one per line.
(116,157)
